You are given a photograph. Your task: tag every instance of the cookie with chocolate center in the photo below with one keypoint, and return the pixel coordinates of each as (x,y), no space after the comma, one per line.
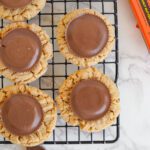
(27,115)
(24,52)
(20,10)
(85,37)
(89,99)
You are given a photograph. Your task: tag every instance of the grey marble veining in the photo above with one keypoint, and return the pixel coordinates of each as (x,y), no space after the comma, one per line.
(134,83)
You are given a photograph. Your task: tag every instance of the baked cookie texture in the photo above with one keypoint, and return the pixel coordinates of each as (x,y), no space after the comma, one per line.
(62,43)
(63,101)
(49,120)
(41,66)
(24,13)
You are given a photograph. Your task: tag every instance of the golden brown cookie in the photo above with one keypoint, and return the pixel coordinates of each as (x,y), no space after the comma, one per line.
(41,65)
(48,121)
(65,101)
(93,56)
(21,13)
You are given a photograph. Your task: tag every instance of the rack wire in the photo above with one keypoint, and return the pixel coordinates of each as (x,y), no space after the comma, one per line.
(59,68)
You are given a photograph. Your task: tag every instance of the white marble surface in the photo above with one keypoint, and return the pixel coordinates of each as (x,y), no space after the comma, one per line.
(134,83)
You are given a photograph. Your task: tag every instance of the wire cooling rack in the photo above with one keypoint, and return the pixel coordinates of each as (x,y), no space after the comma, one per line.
(59,68)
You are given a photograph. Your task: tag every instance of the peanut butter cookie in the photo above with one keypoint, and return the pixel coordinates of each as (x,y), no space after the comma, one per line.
(25,51)
(85,37)
(89,99)
(28,115)
(20,10)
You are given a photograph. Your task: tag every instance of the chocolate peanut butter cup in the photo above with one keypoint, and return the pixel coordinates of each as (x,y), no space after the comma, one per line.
(89,99)
(85,37)
(14,4)
(28,115)
(20,50)
(20,10)
(35,148)
(22,114)
(24,52)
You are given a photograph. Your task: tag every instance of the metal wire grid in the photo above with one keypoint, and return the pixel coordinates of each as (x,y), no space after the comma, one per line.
(59,68)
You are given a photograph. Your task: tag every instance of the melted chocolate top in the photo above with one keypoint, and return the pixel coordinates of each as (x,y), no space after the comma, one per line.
(86,35)
(36,148)
(20,50)
(22,114)
(14,4)
(90,99)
